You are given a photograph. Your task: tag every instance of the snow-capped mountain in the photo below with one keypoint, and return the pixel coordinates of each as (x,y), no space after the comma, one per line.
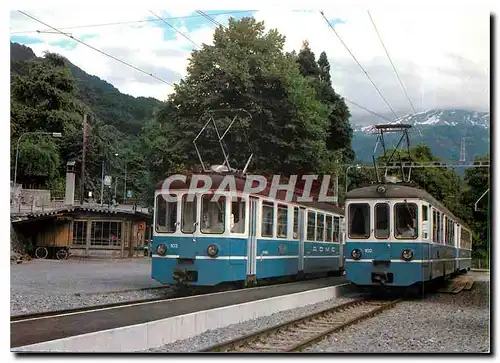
(443,130)
(448,117)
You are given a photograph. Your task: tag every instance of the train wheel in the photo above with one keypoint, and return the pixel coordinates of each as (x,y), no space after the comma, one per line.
(62,254)
(41,252)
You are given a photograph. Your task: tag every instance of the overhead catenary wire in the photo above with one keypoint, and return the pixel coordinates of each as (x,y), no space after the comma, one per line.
(210,18)
(170,25)
(134,21)
(98,50)
(364,71)
(392,64)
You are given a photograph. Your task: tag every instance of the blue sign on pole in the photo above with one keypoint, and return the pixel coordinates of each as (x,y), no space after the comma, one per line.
(129,194)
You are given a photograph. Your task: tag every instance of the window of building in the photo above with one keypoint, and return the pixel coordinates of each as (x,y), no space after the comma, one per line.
(336,229)
(213,212)
(381,220)
(320,227)
(79,233)
(267,219)
(405,220)
(106,234)
(166,214)
(329,229)
(295,223)
(188,211)
(359,220)
(311,225)
(282,221)
(238,216)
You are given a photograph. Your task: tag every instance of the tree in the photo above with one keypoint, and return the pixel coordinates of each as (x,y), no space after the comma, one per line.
(246,68)
(477,182)
(339,131)
(42,99)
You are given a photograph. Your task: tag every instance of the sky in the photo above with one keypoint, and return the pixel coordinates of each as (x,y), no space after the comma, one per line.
(442,56)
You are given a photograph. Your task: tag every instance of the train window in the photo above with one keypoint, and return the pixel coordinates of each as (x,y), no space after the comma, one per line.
(439,228)
(434,226)
(267,219)
(213,211)
(166,214)
(425,211)
(405,220)
(295,223)
(359,220)
(329,229)
(282,221)
(188,213)
(311,225)
(320,227)
(237,221)
(381,220)
(336,229)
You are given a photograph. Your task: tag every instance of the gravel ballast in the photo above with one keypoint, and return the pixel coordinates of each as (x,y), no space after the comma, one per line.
(440,323)
(212,337)
(47,285)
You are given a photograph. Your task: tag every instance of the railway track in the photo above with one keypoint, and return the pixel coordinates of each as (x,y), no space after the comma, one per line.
(293,336)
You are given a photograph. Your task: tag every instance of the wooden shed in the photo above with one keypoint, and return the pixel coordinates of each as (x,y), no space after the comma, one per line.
(86,231)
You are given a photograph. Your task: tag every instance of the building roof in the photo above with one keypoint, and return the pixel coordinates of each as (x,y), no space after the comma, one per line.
(17,216)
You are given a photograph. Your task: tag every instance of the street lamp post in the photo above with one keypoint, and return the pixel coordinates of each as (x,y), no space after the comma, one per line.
(102,179)
(53,134)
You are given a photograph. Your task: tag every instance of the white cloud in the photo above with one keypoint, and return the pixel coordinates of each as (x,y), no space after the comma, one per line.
(442,57)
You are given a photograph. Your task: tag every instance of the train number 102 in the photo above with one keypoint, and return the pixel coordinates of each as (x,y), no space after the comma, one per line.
(174,245)
(368,250)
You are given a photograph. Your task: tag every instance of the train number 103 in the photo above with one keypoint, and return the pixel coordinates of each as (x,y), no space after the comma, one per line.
(368,250)
(174,245)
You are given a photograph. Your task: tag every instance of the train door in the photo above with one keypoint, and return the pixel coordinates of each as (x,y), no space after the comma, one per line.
(252,240)
(341,242)
(301,216)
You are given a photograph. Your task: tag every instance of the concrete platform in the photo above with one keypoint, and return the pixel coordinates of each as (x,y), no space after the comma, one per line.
(160,332)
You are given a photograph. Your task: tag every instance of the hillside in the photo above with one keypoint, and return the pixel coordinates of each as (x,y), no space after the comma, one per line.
(125,112)
(441,129)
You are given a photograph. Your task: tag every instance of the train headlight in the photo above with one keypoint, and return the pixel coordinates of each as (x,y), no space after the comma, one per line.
(212,250)
(356,254)
(407,255)
(161,249)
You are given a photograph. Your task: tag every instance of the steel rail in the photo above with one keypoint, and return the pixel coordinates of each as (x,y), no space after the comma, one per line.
(312,327)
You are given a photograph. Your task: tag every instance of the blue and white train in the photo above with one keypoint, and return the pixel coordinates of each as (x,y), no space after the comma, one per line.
(400,236)
(242,237)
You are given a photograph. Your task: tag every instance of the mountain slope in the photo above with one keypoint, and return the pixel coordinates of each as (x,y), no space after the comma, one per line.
(441,129)
(125,112)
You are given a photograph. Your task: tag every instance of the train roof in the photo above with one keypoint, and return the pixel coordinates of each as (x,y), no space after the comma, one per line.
(402,192)
(240,181)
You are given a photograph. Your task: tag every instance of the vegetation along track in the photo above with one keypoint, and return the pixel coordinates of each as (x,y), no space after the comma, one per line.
(293,336)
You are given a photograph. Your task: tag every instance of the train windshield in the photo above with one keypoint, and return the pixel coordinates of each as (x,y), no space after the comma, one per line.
(359,220)
(213,214)
(405,220)
(166,213)
(381,220)
(188,213)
